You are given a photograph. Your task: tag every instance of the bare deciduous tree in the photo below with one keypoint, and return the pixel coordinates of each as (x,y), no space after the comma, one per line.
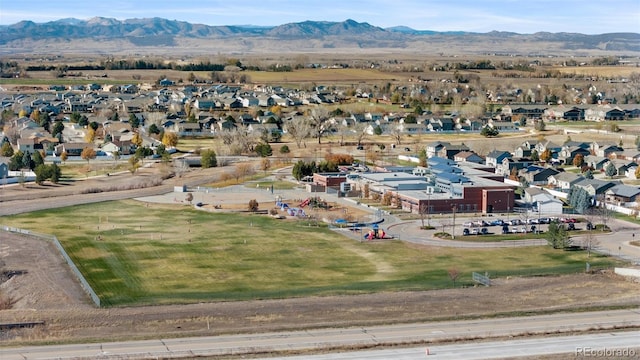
(321,126)
(243,170)
(299,129)
(590,242)
(180,167)
(396,133)
(360,130)
(454,274)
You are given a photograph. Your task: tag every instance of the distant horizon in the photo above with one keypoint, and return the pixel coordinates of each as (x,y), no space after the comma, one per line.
(569,16)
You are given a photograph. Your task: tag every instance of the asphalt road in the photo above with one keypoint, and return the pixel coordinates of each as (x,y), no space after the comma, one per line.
(319,339)
(619,345)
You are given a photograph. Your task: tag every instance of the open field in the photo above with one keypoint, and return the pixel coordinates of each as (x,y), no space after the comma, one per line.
(607,71)
(135,254)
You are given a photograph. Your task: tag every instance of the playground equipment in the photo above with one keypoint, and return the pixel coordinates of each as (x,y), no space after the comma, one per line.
(296,212)
(282,205)
(305,202)
(376,233)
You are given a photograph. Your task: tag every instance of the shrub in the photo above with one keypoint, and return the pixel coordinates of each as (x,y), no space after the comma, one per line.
(264,150)
(339,159)
(253,205)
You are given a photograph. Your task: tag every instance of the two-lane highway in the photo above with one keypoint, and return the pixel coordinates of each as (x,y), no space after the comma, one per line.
(323,339)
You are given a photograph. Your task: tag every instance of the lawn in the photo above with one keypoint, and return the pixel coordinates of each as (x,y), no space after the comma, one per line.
(134,254)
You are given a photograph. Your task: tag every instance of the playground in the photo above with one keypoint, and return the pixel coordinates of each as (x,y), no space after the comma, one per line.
(287,204)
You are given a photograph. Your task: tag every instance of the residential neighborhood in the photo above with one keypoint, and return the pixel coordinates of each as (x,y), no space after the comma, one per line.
(321,180)
(454,175)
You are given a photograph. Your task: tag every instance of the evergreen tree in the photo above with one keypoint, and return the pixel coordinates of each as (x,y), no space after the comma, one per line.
(58,127)
(264,150)
(6,149)
(209,159)
(134,121)
(55,173)
(588,174)
(610,170)
(15,163)
(27,162)
(153,129)
(557,236)
(422,156)
(37,158)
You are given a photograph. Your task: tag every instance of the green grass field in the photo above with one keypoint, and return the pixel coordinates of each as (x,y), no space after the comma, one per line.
(133,254)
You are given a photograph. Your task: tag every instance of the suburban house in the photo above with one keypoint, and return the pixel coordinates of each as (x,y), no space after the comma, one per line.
(604,150)
(568,153)
(595,187)
(536,175)
(596,162)
(621,195)
(122,147)
(72,149)
(565,180)
(495,157)
(468,156)
(542,201)
(631,171)
(26,145)
(4,167)
(510,166)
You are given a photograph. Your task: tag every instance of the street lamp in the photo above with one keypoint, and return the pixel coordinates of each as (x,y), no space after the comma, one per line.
(508,205)
(429,208)
(453,228)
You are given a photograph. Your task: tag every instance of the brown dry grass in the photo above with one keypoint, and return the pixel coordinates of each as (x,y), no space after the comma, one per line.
(606,71)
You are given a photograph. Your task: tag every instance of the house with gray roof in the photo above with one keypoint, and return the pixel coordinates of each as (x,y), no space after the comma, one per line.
(595,187)
(622,194)
(536,175)
(542,201)
(565,180)
(495,157)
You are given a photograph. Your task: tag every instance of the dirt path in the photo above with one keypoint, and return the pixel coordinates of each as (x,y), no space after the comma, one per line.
(148,182)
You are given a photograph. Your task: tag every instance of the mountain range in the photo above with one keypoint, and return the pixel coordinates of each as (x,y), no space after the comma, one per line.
(144,35)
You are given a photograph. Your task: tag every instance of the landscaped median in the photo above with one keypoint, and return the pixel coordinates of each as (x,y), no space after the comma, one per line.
(134,253)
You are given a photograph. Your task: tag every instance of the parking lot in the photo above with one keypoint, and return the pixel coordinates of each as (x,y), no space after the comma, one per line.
(520,226)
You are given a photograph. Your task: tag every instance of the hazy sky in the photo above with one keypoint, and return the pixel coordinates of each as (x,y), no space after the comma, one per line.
(522,16)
